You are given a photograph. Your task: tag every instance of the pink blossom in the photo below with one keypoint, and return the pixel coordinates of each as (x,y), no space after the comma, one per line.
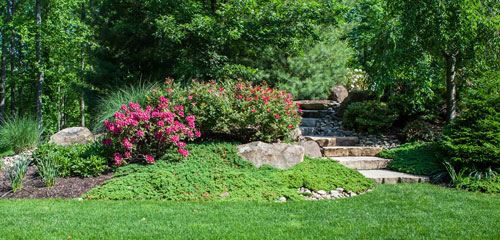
(183,152)
(268,110)
(140,133)
(163,99)
(253,110)
(127,154)
(181,144)
(118,159)
(290,126)
(153,90)
(124,107)
(198,134)
(189,97)
(180,107)
(160,123)
(181,113)
(149,158)
(277,116)
(128,145)
(239,86)
(174,139)
(170,90)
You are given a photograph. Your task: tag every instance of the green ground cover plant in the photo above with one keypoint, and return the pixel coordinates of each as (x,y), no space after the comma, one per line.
(402,211)
(321,174)
(17,172)
(214,172)
(415,158)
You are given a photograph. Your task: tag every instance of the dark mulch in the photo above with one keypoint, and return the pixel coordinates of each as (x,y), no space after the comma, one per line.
(65,188)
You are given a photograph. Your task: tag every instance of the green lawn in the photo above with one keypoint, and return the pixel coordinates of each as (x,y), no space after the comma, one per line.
(405,211)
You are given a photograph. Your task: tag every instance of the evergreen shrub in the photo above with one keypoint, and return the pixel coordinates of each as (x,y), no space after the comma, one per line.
(473,138)
(369,116)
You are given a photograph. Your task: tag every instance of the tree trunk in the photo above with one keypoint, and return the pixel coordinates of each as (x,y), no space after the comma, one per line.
(451,86)
(4,65)
(12,66)
(82,54)
(39,110)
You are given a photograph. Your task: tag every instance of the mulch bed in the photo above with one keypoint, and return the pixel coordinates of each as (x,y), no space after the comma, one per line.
(65,188)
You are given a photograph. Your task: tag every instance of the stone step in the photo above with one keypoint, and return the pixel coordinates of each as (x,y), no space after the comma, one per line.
(316,113)
(309,122)
(362,163)
(392,177)
(317,104)
(334,141)
(351,151)
(307,131)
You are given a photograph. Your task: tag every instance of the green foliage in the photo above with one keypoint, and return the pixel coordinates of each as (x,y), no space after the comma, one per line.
(416,158)
(473,139)
(324,174)
(369,116)
(406,48)
(213,169)
(113,100)
(19,134)
(17,173)
(323,65)
(76,160)
(251,112)
(487,185)
(419,131)
(47,169)
(209,171)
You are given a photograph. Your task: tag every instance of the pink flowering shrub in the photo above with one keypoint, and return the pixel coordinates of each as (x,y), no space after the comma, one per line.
(145,134)
(252,112)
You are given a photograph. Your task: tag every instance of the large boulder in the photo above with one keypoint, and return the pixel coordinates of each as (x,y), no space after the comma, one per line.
(355,96)
(338,93)
(311,149)
(72,135)
(279,155)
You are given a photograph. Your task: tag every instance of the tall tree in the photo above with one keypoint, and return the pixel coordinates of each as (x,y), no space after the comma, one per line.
(82,68)
(40,78)
(12,62)
(3,73)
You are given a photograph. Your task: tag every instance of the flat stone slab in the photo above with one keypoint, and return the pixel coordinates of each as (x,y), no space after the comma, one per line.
(309,122)
(351,151)
(362,163)
(316,104)
(393,177)
(334,141)
(316,113)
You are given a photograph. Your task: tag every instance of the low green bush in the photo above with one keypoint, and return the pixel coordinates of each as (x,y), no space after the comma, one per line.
(419,131)
(19,133)
(324,174)
(415,158)
(487,185)
(76,160)
(473,138)
(250,112)
(369,116)
(215,172)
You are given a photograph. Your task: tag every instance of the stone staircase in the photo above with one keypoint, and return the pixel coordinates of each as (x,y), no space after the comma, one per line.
(347,150)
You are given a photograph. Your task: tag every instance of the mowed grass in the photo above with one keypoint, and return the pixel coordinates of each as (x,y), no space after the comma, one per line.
(404,211)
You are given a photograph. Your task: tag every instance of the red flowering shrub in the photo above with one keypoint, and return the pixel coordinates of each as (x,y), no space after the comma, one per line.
(253,112)
(145,134)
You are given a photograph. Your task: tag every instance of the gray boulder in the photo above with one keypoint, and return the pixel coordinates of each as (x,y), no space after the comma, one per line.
(311,149)
(279,155)
(338,93)
(72,135)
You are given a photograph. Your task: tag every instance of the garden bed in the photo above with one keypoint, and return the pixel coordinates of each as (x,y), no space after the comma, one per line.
(65,188)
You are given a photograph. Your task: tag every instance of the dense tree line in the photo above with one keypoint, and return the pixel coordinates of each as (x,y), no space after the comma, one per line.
(58,57)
